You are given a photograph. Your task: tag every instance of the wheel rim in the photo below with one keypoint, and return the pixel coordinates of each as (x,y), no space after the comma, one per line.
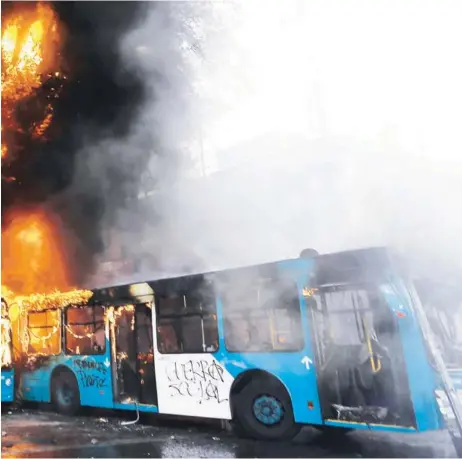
(268,410)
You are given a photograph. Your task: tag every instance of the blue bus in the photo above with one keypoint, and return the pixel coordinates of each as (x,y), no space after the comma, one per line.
(442,302)
(329,341)
(7,371)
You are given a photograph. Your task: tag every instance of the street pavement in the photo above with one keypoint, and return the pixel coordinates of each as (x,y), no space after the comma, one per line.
(34,432)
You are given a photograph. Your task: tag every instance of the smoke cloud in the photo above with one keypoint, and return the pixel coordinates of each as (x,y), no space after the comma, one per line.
(265,129)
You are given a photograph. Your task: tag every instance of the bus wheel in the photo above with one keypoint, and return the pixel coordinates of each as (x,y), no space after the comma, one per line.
(264,411)
(65,394)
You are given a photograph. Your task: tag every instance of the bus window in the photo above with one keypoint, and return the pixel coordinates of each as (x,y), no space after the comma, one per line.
(264,317)
(187,323)
(85,333)
(44,332)
(166,337)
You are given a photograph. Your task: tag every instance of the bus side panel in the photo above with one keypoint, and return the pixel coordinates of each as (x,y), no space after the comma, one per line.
(421,376)
(295,370)
(7,385)
(93,374)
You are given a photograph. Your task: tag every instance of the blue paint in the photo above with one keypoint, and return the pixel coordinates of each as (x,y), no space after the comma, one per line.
(96,383)
(364,426)
(7,385)
(142,408)
(268,410)
(421,376)
(287,367)
(93,375)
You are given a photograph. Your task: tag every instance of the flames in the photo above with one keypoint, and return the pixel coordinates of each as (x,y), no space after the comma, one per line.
(30,44)
(5,345)
(33,259)
(31,38)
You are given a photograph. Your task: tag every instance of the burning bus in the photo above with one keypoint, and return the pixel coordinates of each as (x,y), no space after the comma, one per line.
(332,341)
(6,357)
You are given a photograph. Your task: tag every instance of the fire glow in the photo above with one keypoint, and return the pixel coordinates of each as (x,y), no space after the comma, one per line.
(30,44)
(33,259)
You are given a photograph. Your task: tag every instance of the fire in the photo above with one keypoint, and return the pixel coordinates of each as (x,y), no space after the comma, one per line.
(30,49)
(54,300)
(33,259)
(5,345)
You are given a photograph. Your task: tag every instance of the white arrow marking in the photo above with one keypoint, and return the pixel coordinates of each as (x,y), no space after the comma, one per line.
(107,363)
(307,362)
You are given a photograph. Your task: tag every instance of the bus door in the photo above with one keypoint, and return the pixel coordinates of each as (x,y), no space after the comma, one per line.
(361,367)
(133,368)
(190,379)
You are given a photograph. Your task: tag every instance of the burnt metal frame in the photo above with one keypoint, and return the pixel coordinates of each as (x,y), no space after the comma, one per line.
(178,317)
(67,324)
(60,318)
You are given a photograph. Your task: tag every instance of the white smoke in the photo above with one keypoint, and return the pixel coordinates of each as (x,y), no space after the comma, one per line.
(323,124)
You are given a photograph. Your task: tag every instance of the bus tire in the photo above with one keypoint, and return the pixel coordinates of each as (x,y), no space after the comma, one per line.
(263,410)
(65,394)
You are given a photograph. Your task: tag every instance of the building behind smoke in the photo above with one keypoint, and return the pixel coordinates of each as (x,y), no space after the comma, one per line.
(270,198)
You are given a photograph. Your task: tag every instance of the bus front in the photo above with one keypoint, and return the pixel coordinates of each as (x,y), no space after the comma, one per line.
(372,363)
(442,302)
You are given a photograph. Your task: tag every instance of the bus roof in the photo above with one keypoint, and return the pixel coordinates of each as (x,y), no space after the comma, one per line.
(360,265)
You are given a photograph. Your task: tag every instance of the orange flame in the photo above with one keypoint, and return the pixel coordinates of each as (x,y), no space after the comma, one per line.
(29,44)
(32,255)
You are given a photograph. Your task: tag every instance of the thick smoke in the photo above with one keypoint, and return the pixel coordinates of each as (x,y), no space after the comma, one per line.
(98,100)
(315,124)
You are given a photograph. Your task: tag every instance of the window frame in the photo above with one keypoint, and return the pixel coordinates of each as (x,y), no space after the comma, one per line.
(260,284)
(369,288)
(66,324)
(59,331)
(201,313)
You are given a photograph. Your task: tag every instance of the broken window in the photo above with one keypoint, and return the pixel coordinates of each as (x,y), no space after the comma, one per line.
(187,323)
(263,317)
(44,332)
(85,331)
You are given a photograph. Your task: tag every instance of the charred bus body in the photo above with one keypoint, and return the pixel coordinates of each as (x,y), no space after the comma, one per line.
(330,341)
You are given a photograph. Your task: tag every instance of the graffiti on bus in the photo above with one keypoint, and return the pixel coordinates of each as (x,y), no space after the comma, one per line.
(91,373)
(198,379)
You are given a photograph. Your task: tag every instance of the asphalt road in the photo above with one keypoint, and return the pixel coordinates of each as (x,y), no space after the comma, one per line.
(41,433)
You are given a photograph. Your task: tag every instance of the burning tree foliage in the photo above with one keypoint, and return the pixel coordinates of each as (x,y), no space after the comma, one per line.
(31,77)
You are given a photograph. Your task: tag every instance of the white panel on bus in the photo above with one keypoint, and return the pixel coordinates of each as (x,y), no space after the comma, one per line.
(193,385)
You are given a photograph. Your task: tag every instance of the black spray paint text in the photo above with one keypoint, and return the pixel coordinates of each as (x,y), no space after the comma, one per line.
(197,379)
(91,373)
